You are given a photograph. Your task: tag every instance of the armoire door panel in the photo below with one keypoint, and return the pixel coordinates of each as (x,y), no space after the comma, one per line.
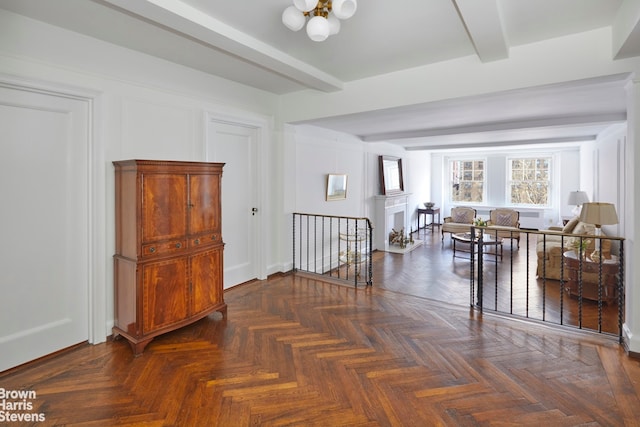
(164,206)
(165,293)
(204,209)
(206,279)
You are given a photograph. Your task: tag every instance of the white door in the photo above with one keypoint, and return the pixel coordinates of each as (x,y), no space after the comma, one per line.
(235,145)
(44,218)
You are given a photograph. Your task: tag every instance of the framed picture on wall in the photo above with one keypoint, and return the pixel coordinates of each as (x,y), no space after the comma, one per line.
(336,187)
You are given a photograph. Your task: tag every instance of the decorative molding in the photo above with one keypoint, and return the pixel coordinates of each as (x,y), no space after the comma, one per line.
(263,126)
(386,206)
(96,222)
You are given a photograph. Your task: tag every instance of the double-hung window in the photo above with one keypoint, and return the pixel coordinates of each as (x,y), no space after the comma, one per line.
(529,181)
(467,180)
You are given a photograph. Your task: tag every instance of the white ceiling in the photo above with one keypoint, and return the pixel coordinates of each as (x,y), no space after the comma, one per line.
(245,41)
(554,114)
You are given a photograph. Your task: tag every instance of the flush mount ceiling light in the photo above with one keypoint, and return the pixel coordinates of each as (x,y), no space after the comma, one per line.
(324,16)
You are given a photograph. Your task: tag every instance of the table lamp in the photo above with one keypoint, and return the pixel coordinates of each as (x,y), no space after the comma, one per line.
(577,198)
(598,214)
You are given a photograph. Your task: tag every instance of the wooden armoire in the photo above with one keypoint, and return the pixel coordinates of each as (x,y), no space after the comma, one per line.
(168,260)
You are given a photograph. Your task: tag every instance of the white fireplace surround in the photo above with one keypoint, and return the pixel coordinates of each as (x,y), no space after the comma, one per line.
(391,213)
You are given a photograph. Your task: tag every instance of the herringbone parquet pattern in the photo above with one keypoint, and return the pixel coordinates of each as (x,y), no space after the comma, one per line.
(296,351)
(432,272)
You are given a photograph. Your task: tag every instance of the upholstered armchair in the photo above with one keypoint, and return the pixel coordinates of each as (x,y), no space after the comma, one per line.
(460,221)
(504,223)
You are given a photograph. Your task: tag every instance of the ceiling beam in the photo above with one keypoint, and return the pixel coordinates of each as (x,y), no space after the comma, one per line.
(588,119)
(501,144)
(484,26)
(626,30)
(186,20)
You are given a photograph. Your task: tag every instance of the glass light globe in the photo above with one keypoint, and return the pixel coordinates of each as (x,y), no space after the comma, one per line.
(318,29)
(305,5)
(334,25)
(344,9)
(293,19)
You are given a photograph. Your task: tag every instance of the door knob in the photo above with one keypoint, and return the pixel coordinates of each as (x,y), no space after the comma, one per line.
(253,211)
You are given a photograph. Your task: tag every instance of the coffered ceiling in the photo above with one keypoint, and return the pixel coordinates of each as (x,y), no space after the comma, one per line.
(245,41)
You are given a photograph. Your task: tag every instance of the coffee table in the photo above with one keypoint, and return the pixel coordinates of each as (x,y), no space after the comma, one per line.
(471,245)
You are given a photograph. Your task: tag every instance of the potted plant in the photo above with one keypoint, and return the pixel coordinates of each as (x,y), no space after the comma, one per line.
(479,222)
(580,247)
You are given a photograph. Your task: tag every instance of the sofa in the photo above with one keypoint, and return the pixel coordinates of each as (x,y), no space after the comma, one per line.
(460,220)
(550,247)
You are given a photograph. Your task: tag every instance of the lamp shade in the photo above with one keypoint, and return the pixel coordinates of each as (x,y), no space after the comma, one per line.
(578,198)
(318,28)
(344,9)
(305,5)
(293,19)
(599,213)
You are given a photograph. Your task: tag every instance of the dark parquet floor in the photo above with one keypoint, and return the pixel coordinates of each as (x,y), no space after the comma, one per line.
(431,271)
(298,351)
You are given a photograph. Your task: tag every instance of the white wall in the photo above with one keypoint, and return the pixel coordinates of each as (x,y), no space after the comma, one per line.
(418,177)
(147,107)
(629,216)
(144,107)
(566,177)
(319,152)
(609,175)
(313,153)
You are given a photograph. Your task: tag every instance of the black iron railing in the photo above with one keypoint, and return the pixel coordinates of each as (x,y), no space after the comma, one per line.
(333,246)
(555,281)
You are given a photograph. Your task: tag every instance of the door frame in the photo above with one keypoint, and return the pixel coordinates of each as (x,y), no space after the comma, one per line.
(261,125)
(95,199)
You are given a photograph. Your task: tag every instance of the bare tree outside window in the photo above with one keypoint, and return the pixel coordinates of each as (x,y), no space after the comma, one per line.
(467,180)
(530,181)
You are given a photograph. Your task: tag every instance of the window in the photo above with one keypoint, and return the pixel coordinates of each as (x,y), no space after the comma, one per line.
(529,181)
(467,181)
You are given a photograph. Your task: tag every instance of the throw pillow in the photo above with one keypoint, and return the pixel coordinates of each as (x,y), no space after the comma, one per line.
(460,216)
(504,219)
(584,228)
(568,229)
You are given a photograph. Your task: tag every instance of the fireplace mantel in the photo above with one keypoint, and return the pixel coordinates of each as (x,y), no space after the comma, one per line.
(391,213)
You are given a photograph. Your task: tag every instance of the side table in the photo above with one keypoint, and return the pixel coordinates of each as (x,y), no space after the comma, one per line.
(590,277)
(433,212)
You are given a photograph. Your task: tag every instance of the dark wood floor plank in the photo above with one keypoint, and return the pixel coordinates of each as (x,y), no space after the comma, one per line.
(296,350)
(626,396)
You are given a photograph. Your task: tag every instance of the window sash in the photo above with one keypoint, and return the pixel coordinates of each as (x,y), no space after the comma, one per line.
(529,181)
(467,180)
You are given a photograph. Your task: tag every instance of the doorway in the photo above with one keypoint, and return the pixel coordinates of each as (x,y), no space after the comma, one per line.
(237,145)
(44,182)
